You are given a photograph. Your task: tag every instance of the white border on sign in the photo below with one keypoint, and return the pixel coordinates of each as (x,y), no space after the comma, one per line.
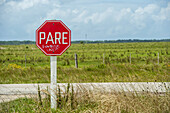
(42,26)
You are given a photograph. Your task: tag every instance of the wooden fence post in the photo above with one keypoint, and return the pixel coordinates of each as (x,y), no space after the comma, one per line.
(130,58)
(25,60)
(76,62)
(103,59)
(158,58)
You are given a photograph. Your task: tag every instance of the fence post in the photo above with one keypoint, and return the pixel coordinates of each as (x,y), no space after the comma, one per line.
(25,60)
(76,62)
(103,59)
(130,58)
(158,58)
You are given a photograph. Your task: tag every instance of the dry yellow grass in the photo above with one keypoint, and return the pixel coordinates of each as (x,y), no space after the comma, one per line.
(86,101)
(131,103)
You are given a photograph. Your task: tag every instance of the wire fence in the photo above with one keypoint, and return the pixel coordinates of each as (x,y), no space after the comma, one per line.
(82,58)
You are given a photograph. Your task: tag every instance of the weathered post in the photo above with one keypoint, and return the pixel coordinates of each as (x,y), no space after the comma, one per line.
(53,61)
(25,60)
(130,58)
(158,58)
(103,59)
(76,62)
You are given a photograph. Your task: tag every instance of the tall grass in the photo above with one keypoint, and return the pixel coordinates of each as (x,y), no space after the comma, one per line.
(86,101)
(143,68)
(93,73)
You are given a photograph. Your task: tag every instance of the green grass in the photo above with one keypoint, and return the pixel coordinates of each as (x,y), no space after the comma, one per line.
(93,73)
(143,67)
(31,105)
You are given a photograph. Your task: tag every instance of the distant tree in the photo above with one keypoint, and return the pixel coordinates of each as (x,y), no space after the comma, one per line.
(81,42)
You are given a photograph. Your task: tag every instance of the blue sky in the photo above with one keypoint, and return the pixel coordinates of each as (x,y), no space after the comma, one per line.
(87,19)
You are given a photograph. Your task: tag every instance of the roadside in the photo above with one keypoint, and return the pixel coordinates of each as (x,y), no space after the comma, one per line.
(10,92)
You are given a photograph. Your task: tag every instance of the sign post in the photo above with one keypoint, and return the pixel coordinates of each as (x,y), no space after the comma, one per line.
(53,38)
(53,62)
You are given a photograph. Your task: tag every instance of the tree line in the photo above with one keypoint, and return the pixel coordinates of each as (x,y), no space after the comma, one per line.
(15,42)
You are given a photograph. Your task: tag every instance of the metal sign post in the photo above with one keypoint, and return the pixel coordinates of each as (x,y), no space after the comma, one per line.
(53,62)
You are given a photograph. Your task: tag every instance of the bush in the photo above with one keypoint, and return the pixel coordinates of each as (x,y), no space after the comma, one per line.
(101,66)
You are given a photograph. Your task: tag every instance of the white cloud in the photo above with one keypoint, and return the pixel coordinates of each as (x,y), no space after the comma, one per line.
(75,11)
(2,2)
(124,14)
(165,12)
(25,4)
(142,16)
(58,13)
(79,17)
(97,19)
(163,15)
(125,21)
(151,8)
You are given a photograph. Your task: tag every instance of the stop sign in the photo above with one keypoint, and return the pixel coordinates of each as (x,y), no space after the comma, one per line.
(53,37)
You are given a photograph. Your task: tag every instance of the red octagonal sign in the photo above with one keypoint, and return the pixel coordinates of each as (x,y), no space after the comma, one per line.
(53,37)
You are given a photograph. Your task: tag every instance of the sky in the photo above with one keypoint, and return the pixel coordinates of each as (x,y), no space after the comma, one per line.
(87,19)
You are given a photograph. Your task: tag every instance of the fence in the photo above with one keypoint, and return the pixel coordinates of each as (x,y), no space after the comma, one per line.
(71,59)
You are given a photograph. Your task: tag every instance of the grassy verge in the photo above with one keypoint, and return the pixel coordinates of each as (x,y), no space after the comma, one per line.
(87,102)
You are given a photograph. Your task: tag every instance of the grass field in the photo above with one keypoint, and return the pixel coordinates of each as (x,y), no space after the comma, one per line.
(116,68)
(144,67)
(87,102)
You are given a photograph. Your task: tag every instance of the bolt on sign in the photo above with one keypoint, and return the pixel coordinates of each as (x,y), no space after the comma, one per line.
(53,37)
